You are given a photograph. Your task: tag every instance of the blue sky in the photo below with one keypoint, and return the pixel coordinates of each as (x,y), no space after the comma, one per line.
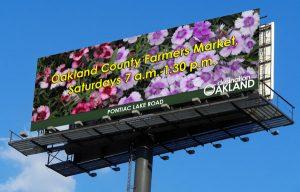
(31,29)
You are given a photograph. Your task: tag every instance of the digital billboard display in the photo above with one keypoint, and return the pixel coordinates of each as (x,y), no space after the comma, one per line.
(172,66)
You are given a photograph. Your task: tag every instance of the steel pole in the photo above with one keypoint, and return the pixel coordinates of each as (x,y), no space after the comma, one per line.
(143,169)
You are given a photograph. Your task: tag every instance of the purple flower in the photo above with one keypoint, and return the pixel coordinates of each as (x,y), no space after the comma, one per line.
(174,82)
(235,67)
(208,55)
(190,83)
(250,72)
(121,55)
(202,31)
(220,73)
(159,65)
(158,37)
(220,32)
(177,47)
(248,23)
(127,78)
(133,97)
(154,50)
(234,49)
(205,78)
(158,87)
(170,63)
(193,41)
(248,44)
(174,79)
(181,34)
(192,57)
(183,58)
(131,40)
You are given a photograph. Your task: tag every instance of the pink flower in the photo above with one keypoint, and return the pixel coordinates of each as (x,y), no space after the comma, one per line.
(60,71)
(95,99)
(103,51)
(57,84)
(71,83)
(76,64)
(102,74)
(133,97)
(61,68)
(81,107)
(44,84)
(47,71)
(77,55)
(66,97)
(107,92)
(46,78)
(42,113)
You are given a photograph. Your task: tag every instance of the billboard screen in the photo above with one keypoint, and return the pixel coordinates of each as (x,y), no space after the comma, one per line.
(172,66)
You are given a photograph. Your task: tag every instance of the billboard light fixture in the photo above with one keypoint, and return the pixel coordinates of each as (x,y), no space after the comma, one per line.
(225,94)
(51,129)
(217,145)
(78,123)
(164,157)
(23,134)
(245,139)
(190,151)
(196,100)
(275,132)
(136,112)
(165,106)
(92,174)
(106,118)
(116,169)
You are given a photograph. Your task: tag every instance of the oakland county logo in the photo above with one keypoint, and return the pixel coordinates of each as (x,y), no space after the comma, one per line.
(229,85)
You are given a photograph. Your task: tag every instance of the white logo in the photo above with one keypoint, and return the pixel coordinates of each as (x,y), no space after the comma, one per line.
(209,90)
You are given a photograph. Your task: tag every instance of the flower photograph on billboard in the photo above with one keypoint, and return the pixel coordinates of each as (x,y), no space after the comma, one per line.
(203,59)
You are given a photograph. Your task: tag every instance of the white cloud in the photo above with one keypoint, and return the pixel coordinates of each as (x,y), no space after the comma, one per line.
(33,175)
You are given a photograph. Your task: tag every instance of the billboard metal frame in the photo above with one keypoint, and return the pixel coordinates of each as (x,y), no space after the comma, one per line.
(257,112)
(266,58)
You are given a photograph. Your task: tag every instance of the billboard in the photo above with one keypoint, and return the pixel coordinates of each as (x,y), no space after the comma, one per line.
(172,66)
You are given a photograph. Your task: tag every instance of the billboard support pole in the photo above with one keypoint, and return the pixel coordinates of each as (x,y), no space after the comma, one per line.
(143,169)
